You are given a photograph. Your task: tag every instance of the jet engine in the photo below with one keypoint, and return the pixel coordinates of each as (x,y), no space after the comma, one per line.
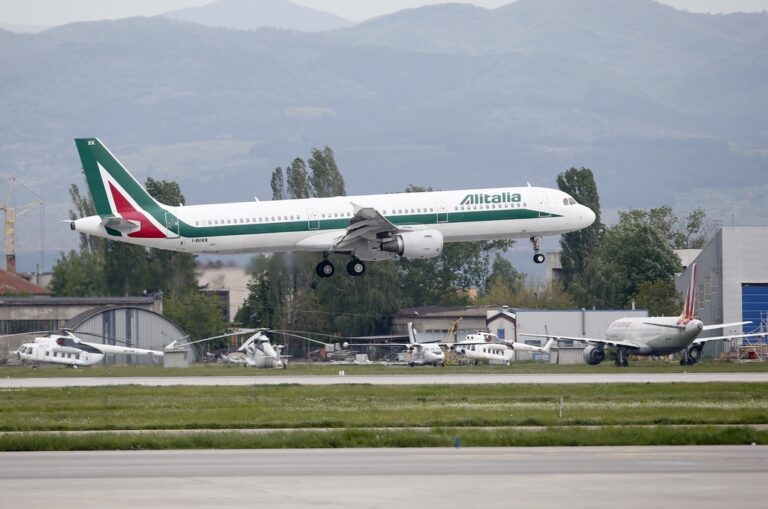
(594,355)
(416,244)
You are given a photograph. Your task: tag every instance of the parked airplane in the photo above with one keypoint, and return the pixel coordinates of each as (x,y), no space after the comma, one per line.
(367,228)
(484,346)
(655,335)
(424,353)
(69,350)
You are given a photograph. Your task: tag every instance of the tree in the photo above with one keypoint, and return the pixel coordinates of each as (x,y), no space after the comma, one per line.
(632,252)
(258,310)
(326,179)
(198,313)
(298,184)
(79,275)
(577,247)
(278,184)
(659,297)
(503,272)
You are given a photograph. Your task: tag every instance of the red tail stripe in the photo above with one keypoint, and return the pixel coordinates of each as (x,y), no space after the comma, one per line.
(147,230)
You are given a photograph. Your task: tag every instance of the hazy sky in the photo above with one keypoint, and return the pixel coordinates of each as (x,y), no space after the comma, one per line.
(56,12)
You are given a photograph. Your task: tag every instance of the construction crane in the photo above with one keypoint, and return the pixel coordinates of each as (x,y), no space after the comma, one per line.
(11,214)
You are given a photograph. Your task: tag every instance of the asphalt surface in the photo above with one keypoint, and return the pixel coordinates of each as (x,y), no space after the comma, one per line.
(585,477)
(435,379)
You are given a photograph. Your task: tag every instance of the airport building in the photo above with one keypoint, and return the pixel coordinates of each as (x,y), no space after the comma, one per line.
(732,284)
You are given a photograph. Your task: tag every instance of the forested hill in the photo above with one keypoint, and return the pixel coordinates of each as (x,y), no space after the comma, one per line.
(657,102)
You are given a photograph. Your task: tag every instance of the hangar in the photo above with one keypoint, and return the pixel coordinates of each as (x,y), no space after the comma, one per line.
(732,283)
(132,321)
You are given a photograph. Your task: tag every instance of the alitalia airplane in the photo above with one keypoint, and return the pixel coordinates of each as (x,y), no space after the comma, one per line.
(367,228)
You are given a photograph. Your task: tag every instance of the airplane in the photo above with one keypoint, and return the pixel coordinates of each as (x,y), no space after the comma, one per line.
(424,353)
(69,350)
(366,227)
(485,346)
(655,335)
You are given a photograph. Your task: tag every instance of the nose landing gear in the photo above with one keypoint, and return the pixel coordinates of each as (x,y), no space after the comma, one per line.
(538,257)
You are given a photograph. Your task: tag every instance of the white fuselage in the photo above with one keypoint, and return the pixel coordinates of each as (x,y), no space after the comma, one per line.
(314,224)
(654,339)
(75,352)
(427,354)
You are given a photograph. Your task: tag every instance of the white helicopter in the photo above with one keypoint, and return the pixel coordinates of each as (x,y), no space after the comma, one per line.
(69,350)
(257,352)
(488,347)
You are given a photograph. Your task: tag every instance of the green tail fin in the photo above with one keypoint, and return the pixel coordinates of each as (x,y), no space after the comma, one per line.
(102,169)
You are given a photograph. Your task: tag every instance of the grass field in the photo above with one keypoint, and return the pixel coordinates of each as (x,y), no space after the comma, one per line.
(364,415)
(297,368)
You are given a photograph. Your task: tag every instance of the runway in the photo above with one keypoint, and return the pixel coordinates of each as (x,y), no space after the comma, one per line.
(418,379)
(595,477)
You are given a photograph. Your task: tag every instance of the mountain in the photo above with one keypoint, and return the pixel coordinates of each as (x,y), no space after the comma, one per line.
(657,102)
(250,15)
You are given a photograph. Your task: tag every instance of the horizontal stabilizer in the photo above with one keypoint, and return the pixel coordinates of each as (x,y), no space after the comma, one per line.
(724,325)
(668,325)
(120,224)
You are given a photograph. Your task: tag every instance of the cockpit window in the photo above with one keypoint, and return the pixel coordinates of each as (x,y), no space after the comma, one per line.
(565,201)
(571,201)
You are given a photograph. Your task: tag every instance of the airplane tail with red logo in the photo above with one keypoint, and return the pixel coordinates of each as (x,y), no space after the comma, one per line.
(125,207)
(689,305)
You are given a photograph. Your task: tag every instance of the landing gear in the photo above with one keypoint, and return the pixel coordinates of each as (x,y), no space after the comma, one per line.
(691,356)
(355,267)
(621,358)
(325,269)
(538,257)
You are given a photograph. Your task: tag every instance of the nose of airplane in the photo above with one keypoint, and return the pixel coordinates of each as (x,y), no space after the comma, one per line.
(587,216)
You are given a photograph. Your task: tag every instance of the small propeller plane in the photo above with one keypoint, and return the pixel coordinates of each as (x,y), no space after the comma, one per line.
(69,350)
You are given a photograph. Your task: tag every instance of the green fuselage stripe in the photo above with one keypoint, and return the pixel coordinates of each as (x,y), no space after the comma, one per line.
(468,216)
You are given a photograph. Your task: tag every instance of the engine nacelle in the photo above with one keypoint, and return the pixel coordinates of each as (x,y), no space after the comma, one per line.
(416,244)
(594,355)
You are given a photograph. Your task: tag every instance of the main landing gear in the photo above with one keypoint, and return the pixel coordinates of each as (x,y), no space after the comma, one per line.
(326,269)
(622,357)
(538,257)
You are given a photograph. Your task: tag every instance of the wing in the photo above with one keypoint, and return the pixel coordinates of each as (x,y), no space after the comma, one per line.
(608,342)
(700,341)
(368,224)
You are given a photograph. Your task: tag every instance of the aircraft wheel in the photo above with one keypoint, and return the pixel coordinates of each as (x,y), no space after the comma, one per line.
(325,269)
(411,364)
(539,258)
(694,354)
(355,267)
